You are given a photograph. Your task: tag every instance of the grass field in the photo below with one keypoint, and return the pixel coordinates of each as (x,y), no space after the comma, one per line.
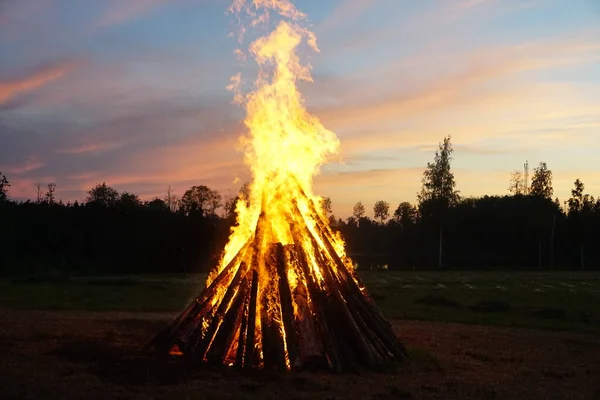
(85,337)
(560,300)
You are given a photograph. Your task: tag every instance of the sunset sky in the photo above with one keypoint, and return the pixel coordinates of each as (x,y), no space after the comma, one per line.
(133,92)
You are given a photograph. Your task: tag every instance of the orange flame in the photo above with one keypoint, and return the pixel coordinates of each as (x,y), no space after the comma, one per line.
(284,292)
(284,148)
(285,142)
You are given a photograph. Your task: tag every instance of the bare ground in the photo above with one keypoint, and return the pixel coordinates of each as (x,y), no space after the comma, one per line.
(88,355)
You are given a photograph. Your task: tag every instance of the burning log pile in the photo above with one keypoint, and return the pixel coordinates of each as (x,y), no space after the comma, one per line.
(283,307)
(284,295)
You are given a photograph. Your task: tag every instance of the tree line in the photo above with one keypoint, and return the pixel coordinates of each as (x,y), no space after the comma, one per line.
(112,232)
(526,229)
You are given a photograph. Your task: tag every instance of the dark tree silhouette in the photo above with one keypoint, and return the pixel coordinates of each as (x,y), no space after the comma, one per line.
(581,215)
(102,195)
(200,198)
(580,202)
(381,210)
(325,203)
(39,197)
(406,214)
(545,213)
(516,186)
(358,211)
(171,200)
(117,233)
(437,194)
(541,183)
(157,205)
(49,197)
(129,202)
(4,185)
(229,206)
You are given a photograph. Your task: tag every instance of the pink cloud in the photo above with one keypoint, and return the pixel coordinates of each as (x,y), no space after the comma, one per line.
(121,11)
(91,147)
(476,70)
(149,172)
(13,87)
(31,164)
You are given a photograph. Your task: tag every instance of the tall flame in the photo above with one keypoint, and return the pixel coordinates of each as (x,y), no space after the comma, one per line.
(284,291)
(285,144)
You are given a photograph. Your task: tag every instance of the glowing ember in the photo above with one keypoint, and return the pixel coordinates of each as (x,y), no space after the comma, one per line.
(175,351)
(284,293)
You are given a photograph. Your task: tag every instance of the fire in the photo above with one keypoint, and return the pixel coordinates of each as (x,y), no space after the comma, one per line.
(285,145)
(284,290)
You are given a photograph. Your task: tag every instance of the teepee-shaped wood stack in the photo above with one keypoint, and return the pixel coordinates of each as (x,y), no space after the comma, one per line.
(286,306)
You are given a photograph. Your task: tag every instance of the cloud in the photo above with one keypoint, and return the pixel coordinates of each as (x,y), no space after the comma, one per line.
(475,71)
(138,142)
(447,12)
(43,75)
(121,11)
(90,148)
(345,13)
(30,164)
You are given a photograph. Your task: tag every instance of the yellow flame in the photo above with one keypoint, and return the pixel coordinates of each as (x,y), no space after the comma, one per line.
(285,144)
(284,147)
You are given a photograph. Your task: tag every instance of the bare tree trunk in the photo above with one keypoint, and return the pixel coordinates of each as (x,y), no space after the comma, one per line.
(441,247)
(581,256)
(39,193)
(552,243)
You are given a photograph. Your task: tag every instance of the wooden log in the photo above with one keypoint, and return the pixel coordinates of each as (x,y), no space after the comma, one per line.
(348,284)
(309,346)
(268,337)
(249,346)
(378,350)
(220,313)
(381,328)
(317,297)
(343,317)
(373,316)
(239,358)
(272,341)
(273,345)
(287,307)
(350,281)
(229,327)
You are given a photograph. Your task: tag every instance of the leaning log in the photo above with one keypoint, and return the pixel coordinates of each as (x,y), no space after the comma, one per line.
(241,345)
(285,301)
(229,327)
(249,345)
(273,346)
(220,313)
(319,305)
(309,344)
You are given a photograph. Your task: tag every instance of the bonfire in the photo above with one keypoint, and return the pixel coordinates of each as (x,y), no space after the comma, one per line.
(284,294)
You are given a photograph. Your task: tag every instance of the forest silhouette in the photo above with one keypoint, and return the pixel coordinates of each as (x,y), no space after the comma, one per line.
(112,232)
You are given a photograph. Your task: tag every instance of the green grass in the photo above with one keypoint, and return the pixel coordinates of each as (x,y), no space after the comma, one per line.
(561,300)
(116,293)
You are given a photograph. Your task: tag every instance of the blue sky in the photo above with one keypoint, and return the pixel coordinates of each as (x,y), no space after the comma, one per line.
(132,92)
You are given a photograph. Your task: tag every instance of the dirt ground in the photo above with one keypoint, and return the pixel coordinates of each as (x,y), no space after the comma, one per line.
(87,355)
